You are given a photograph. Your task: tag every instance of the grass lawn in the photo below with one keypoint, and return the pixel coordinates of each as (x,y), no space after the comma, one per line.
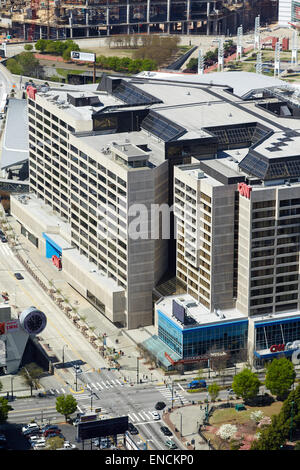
(230,415)
(110,51)
(241,419)
(64,72)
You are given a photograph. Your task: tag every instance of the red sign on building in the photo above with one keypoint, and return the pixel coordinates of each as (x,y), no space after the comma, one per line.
(56,261)
(12,325)
(277,348)
(244,190)
(31,92)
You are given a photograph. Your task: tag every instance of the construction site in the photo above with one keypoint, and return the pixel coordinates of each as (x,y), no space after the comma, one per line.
(30,20)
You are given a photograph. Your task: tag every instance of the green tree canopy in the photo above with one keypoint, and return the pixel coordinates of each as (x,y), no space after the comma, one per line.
(4,409)
(54,443)
(280,376)
(66,405)
(41,45)
(214,390)
(31,374)
(14,67)
(246,384)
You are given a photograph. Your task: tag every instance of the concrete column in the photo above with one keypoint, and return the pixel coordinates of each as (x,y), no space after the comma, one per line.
(188,16)
(128,13)
(208,22)
(148,16)
(41,32)
(107,21)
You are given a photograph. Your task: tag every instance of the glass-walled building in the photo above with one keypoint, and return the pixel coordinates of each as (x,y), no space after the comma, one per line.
(199,334)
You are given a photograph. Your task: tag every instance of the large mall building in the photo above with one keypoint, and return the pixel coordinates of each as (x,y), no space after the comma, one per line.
(221,152)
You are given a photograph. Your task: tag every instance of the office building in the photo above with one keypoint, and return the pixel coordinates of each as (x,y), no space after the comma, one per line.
(77,18)
(223,150)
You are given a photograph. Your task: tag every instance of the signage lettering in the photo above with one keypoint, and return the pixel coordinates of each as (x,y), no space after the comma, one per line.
(56,261)
(277,347)
(31,92)
(12,325)
(244,190)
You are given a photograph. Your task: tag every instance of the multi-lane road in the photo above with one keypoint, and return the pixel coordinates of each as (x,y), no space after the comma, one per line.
(95,386)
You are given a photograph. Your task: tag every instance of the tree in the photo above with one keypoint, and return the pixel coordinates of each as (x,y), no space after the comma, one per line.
(213,390)
(227,431)
(67,53)
(280,376)
(30,65)
(41,45)
(28,47)
(272,437)
(4,409)
(31,374)
(55,443)
(246,384)
(13,66)
(66,405)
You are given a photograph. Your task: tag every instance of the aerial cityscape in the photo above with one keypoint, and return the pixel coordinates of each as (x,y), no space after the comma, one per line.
(149,227)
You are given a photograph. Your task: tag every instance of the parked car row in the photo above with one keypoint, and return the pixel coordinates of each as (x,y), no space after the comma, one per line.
(38,436)
(3,237)
(3,442)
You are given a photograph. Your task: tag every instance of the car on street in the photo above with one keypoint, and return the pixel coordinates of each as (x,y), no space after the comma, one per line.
(50,431)
(54,434)
(155,415)
(50,426)
(103,443)
(30,427)
(230,391)
(39,442)
(31,432)
(132,429)
(166,431)
(4,239)
(68,445)
(3,442)
(170,444)
(160,405)
(18,276)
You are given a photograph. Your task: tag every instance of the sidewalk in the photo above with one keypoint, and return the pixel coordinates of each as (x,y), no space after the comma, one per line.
(184,423)
(116,338)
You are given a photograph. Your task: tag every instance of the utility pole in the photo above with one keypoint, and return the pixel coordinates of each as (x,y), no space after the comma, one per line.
(257,33)
(294,60)
(277,59)
(137,370)
(239,49)
(48,19)
(200,63)
(220,55)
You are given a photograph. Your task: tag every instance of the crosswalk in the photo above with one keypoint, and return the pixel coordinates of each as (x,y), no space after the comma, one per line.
(5,250)
(90,387)
(140,417)
(178,398)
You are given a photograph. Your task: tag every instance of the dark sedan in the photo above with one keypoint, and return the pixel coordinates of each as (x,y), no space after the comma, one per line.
(160,405)
(166,431)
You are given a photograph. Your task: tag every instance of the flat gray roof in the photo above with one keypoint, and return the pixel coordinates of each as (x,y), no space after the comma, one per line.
(15,140)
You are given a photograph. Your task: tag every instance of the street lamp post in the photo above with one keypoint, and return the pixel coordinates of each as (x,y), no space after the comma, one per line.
(11,387)
(63,354)
(292,415)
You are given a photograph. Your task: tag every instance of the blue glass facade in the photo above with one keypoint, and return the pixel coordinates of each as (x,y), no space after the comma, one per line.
(275,332)
(189,342)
